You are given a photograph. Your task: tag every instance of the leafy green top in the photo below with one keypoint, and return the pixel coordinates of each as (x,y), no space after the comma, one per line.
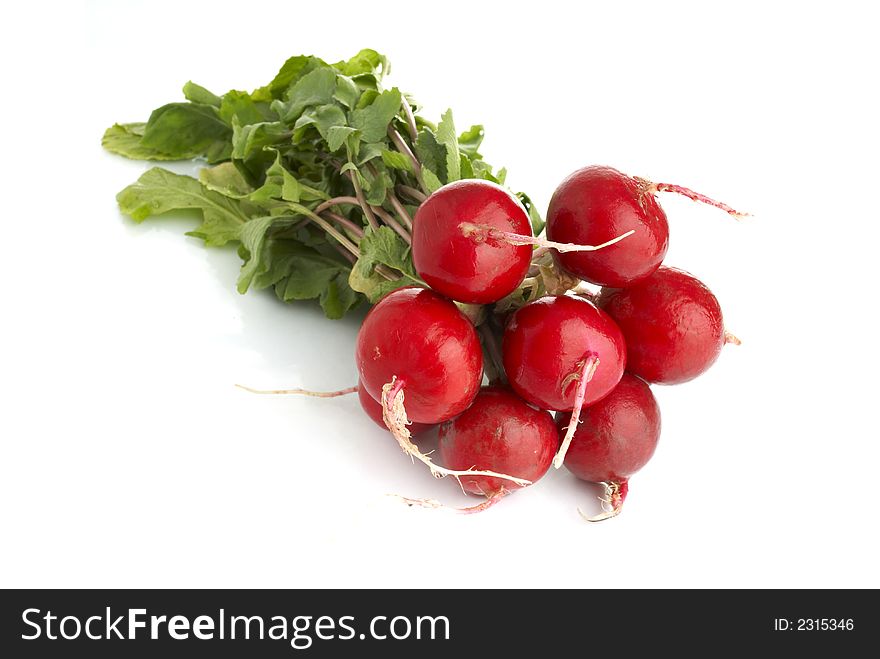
(315,176)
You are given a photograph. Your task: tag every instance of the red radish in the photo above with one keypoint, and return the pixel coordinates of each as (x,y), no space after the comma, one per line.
(594,205)
(546,343)
(373,408)
(499,431)
(595,202)
(423,342)
(616,437)
(562,353)
(420,357)
(672,323)
(456,265)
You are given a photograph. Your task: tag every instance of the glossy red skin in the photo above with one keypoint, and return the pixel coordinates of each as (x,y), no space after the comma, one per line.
(459,266)
(594,205)
(499,432)
(617,436)
(544,342)
(425,341)
(672,323)
(373,409)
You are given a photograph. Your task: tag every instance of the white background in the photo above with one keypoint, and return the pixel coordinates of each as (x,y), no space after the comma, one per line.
(128,458)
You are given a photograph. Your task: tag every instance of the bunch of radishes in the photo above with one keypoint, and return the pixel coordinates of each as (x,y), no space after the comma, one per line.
(338,190)
(515,306)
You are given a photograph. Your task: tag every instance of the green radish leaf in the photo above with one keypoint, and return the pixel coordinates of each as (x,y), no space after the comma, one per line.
(315,88)
(271,193)
(339,296)
(470,140)
(369,152)
(347,92)
(253,235)
(467,170)
(281,186)
(241,106)
(225,179)
(198,94)
(349,167)
(396,160)
(309,275)
(251,139)
(373,286)
(431,153)
(216,229)
(337,136)
(268,195)
(367,61)
(290,73)
(386,247)
(484,171)
(447,138)
(378,187)
(188,130)
(432,183)
(125,140)
(373,120)
(298,272)
(159,191)
(367,97)
(382,247)
(309,193)
(323,118)
(535,218)
(291,190)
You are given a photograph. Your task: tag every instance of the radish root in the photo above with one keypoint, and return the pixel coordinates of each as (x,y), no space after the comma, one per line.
(588,369)
(483,232)
(394,415)
(731,338)
(690,194)
(612,502)
(436,505)
(301,392)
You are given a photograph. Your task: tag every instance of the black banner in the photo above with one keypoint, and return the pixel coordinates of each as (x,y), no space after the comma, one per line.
(317,623)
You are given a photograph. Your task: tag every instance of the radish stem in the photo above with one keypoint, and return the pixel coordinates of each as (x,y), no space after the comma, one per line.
(403,147)
(410,120)
(348,256)
(412,193)
(391,222)
(336,201)
(344,221)
(371,219)
(324,224)
(400,210)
